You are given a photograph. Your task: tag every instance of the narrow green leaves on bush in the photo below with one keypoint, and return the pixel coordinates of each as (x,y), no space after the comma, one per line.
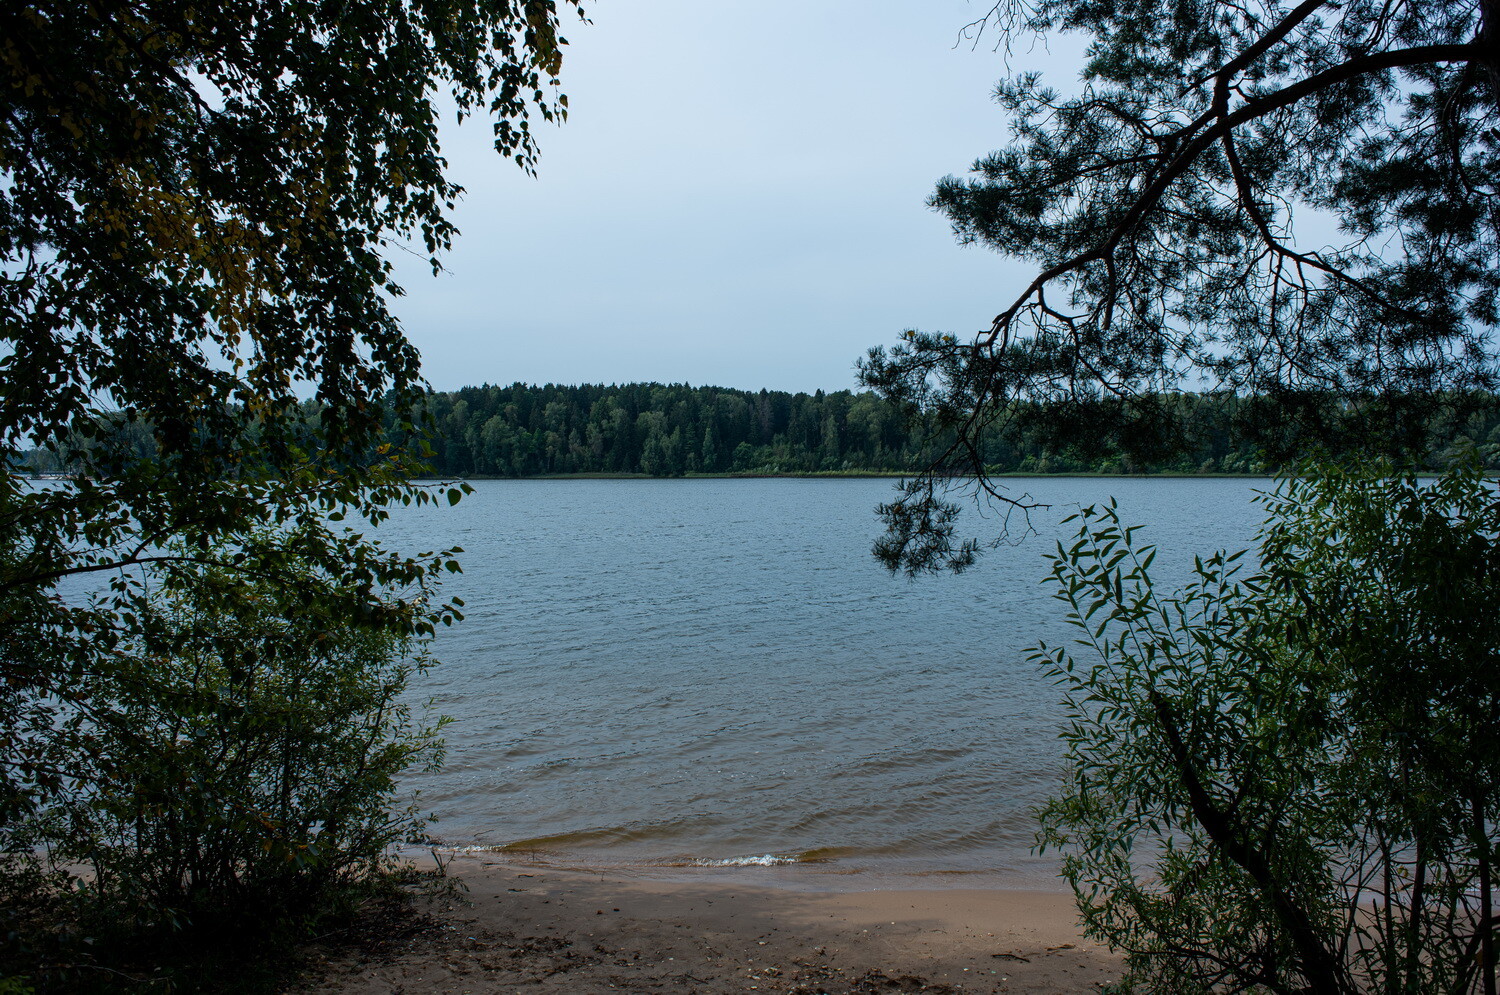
(1288,780)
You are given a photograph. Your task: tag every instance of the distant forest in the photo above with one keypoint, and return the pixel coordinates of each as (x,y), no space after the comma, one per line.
(669,430)
(674,429)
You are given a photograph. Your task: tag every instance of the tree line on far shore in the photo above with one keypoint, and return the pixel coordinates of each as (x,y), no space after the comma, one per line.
(667,430)
(670,430)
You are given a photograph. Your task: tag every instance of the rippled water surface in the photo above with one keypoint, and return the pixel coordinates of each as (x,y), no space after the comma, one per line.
(696,671)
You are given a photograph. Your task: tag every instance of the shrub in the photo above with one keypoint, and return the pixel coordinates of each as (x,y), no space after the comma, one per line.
(232,773)
(1287,779)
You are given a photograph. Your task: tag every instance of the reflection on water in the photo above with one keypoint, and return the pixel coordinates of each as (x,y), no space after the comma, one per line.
(692,672)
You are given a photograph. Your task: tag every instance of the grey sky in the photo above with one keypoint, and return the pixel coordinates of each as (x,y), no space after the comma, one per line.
(736,199)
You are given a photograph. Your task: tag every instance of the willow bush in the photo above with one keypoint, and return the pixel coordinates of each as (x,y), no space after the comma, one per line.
(1286,777)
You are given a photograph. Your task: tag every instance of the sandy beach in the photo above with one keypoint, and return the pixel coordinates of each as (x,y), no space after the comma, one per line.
(540,929)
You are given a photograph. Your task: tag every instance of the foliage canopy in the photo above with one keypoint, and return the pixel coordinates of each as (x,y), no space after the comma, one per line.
(197,203)
(1277,202)
(197,199)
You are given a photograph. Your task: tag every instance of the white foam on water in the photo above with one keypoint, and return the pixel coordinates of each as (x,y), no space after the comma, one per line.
(764,860)
(471,848)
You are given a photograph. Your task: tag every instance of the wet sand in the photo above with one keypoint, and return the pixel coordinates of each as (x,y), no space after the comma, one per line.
(542,929)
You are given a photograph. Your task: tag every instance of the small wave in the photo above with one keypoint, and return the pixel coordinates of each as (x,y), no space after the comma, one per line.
(822,855)
(764,860)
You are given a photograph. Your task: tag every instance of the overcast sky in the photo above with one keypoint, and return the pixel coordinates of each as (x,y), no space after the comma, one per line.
(737,199)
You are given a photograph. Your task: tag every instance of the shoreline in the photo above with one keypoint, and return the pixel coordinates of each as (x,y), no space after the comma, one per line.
(561,930)
(856,475)
(830,870)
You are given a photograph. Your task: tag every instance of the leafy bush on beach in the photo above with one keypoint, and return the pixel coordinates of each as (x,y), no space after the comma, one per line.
(1287,778)
(228,780)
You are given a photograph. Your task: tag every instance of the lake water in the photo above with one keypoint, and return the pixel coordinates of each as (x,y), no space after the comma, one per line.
(688,673)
